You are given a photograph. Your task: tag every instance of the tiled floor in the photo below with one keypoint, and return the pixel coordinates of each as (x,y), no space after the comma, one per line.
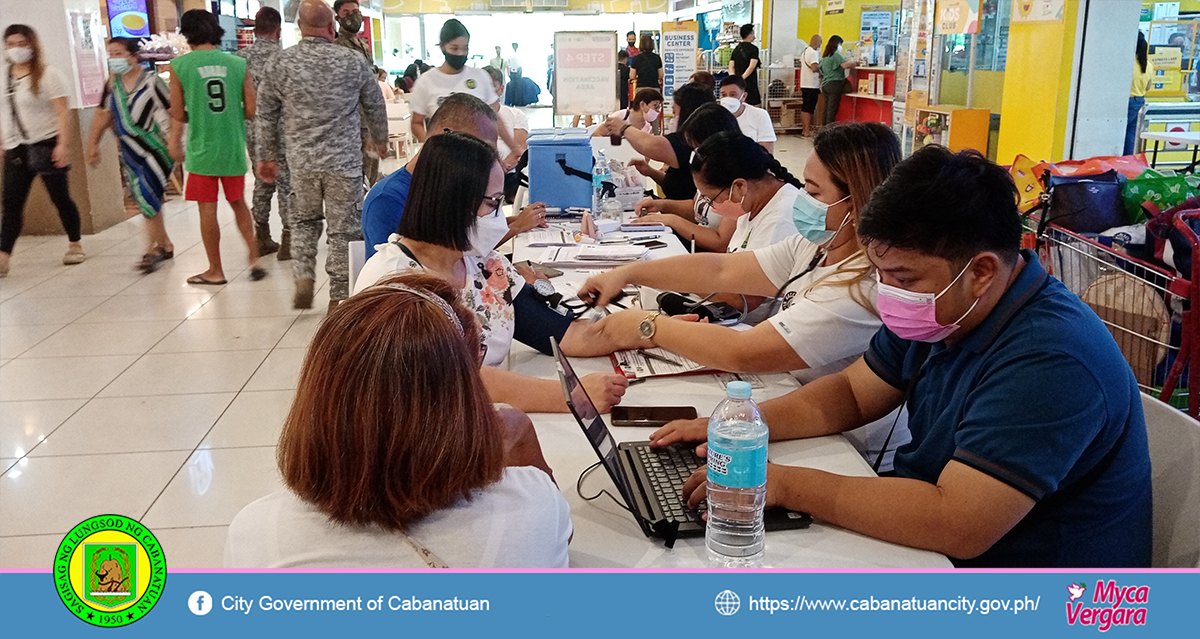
(143,396)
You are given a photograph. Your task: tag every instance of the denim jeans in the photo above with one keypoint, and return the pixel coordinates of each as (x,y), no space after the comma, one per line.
(1135,106)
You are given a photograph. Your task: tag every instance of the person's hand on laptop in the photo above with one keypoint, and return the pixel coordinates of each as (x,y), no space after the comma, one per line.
(695,489)
(683,430)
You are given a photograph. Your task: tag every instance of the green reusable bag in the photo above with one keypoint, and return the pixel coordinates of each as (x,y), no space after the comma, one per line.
(1163,188)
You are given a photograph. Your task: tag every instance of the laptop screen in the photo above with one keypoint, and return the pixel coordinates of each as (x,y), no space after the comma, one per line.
(593,425)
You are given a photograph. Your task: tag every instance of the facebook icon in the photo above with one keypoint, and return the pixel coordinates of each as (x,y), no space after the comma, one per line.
(200,603)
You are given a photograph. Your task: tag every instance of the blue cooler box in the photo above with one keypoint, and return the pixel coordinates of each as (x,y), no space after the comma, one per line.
(548,182)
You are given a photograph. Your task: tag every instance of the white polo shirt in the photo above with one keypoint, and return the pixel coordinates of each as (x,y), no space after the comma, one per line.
(772,224)
(434,86)
(755,124)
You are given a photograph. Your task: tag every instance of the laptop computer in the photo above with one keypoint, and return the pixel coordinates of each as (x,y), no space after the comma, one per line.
(650,479)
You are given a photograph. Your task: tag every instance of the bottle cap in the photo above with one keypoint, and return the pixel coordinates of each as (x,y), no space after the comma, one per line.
(738,390)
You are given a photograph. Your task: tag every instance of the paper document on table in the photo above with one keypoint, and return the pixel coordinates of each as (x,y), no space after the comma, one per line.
(654,362)
(592,255)
(551,238)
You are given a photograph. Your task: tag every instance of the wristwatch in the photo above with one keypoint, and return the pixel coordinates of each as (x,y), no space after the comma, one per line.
(647,327)
(622,132)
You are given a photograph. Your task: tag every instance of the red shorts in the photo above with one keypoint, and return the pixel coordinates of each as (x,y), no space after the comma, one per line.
(203,188)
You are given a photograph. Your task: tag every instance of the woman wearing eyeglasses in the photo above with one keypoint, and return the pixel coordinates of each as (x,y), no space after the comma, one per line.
(451,226)
(820,280)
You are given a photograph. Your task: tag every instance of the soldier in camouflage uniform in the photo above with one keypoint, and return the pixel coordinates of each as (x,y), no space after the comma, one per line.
(318,88)
(350,22)
(267,29)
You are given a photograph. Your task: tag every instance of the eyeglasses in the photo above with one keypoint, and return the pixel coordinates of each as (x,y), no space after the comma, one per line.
(494,202)
(706,201)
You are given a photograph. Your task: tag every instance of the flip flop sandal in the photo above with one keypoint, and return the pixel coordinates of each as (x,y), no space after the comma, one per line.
(257,273)
(199,279)
(150,262)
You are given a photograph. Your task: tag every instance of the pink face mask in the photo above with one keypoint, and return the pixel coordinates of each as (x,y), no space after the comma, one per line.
(729,208)
(913,316)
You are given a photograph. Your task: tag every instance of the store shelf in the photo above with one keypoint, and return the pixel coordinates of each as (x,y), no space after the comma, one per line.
(872,96)
(885,69)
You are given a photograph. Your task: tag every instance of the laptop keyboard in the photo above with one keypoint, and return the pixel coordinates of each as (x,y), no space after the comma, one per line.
(669,468)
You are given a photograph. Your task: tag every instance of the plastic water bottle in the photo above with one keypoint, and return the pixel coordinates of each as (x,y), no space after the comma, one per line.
(600,174)
(737,480)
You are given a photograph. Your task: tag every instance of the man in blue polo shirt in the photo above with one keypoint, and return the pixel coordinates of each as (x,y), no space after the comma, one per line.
(1028,442)
(384,205)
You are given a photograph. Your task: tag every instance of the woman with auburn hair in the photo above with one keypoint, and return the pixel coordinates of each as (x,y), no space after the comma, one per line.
(820,280)
(35,125)
(393,454)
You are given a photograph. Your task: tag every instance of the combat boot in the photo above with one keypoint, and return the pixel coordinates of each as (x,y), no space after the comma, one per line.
(304,294)
(266,246)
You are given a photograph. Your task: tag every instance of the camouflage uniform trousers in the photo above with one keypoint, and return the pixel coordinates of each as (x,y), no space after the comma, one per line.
(264,191)
(337,200)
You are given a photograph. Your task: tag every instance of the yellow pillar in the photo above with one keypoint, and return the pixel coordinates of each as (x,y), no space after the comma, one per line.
(1037,88)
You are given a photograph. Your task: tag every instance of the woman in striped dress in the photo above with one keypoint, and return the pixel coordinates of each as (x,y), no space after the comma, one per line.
(135,107)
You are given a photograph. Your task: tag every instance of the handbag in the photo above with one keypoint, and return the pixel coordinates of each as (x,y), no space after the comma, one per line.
(38,157)
(1083,204)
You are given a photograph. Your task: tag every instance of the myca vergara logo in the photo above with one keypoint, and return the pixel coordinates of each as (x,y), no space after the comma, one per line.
(110,570)
(1110,605)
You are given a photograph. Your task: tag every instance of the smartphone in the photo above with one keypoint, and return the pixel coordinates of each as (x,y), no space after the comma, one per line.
(642,228)
(542,268)
(652,244)
(653,416)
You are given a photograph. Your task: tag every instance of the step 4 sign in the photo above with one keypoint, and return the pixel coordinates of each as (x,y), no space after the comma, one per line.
(585,68)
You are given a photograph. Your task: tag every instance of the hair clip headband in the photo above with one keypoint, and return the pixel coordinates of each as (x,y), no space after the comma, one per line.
(433,299)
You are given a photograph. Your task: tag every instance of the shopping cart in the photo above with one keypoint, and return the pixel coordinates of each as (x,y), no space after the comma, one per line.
(1151,312)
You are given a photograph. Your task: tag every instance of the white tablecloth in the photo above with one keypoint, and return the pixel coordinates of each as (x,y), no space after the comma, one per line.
(608,537)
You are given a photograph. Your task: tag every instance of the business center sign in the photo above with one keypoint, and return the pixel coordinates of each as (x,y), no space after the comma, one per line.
(679,42)
(585,70)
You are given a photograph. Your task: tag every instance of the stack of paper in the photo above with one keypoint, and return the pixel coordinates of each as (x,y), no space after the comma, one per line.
(551,238)
(590,255)
(654,362)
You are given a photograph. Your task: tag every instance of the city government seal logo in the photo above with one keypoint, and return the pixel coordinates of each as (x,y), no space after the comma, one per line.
(109,570)
(470,84)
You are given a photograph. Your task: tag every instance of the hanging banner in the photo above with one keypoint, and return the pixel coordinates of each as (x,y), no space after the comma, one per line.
(834,7)
(679,44)
(585,69)
(91,62)
(1038,10)
(957,17)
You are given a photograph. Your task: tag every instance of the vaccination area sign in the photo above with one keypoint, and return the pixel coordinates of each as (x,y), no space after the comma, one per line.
(585,69)
(679,42)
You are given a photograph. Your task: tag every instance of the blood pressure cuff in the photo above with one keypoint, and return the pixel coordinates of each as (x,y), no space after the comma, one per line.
(536,322)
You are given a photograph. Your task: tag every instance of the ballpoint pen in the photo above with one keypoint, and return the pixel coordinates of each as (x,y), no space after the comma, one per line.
(657,357)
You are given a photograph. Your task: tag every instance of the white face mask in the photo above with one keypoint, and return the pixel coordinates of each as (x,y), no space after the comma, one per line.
(19,55)
(731,104)
(487,233)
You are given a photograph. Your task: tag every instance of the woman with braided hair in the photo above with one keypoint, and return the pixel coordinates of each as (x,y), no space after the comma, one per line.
(820,280)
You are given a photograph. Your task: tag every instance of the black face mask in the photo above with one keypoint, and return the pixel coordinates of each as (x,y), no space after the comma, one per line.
(456,62)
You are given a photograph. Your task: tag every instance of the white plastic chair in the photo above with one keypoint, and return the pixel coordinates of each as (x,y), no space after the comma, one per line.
(1174,440)
(357,251)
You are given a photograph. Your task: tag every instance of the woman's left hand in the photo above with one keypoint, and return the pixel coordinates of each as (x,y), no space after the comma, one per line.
(61,157)
(666,219)
(530,217)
